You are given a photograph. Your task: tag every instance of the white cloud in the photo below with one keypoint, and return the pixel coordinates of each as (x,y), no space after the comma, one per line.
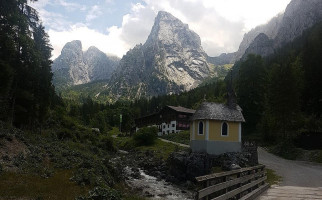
(110,44)
(94,12)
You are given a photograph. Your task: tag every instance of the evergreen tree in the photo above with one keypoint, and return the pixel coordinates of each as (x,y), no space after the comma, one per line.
(251,86)
(26,88)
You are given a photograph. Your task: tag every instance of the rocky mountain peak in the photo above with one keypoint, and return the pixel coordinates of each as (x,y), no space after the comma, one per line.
(74,67)
(169,30)
(74,46)
(170,61)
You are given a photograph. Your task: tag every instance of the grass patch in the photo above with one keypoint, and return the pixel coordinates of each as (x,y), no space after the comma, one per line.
(182,137)
(159,148)
(15,185)
(317,157)
(216,170)
(272,177)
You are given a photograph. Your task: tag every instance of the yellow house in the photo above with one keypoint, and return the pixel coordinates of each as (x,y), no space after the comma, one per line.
(216,128)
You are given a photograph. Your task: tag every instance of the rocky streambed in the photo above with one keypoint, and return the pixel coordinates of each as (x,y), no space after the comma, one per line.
(154,187)
(172,178)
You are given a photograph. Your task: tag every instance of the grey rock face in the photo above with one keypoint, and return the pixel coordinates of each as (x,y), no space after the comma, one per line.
(100,66)
(270,30)
(74,67)
(261,45)
(171,61)
(299,15)
(222,59)
(69,67)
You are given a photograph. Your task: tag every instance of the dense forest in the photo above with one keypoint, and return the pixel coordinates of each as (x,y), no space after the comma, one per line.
(281,94)
(26,91)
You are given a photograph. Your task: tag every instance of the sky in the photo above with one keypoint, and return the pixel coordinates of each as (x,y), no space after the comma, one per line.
(116,26)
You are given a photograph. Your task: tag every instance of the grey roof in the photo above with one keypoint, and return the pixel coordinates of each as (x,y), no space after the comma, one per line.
(182,109)
(218,112)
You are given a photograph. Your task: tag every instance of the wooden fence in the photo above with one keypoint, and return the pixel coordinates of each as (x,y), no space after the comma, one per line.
(245,183)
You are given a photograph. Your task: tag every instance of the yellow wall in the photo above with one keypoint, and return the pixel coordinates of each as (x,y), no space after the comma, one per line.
(197,136)
(215,131)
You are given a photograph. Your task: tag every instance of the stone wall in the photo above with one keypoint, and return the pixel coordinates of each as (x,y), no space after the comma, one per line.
(251,148)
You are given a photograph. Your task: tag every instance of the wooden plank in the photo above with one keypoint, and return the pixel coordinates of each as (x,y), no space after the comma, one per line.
(214,188)
(255,193)
(240,189)
(218,175)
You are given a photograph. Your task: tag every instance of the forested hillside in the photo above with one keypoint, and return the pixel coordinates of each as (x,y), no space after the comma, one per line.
(281,94)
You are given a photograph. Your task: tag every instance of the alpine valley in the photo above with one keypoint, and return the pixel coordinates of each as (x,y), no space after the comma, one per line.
(172,59)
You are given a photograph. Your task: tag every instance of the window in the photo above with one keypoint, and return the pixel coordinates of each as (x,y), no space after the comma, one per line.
(224,129)
(172,131)
(163,132)
(173,125)
(163,126)
(200,128)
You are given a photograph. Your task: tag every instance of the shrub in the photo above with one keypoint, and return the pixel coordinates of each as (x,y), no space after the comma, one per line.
(107,144)
(146,136)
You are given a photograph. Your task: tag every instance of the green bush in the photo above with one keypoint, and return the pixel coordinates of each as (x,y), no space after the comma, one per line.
(107,144)
(286,149)
(146,136)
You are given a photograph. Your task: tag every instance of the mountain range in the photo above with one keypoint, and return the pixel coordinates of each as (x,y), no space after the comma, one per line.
(172,59)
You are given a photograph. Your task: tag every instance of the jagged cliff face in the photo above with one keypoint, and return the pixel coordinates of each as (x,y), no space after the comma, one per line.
(100,66)
(270,30)
(171,61)
(74,67)
(299,15)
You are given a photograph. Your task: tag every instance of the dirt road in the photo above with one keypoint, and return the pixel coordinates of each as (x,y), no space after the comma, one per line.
(294,173)
(301,180)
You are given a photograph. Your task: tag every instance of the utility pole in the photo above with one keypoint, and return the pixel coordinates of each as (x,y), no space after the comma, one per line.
(120,123)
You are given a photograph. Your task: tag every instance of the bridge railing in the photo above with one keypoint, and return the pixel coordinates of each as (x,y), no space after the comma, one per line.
(245,183)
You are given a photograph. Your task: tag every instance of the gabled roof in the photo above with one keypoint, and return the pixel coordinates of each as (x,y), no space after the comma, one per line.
(218,112)
(182,109)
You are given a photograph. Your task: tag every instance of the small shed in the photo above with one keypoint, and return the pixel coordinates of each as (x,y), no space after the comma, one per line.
(216,128)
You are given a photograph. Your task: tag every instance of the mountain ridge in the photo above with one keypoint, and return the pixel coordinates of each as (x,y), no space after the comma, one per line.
(74,66)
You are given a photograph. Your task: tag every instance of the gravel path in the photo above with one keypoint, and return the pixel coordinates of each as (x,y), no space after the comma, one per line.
(293,173)
(179,144)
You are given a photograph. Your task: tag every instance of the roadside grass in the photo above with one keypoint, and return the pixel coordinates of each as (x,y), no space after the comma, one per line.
(182,137)
(272,177)
(19,186)
(285,150)
(290,152)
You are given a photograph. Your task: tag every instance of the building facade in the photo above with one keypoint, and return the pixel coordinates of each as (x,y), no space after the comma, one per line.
(170,119)
(216,128)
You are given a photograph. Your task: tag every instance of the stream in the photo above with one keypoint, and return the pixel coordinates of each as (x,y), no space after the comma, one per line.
(155,188)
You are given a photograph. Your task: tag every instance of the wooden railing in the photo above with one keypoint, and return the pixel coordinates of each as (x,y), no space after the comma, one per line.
(245,183)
